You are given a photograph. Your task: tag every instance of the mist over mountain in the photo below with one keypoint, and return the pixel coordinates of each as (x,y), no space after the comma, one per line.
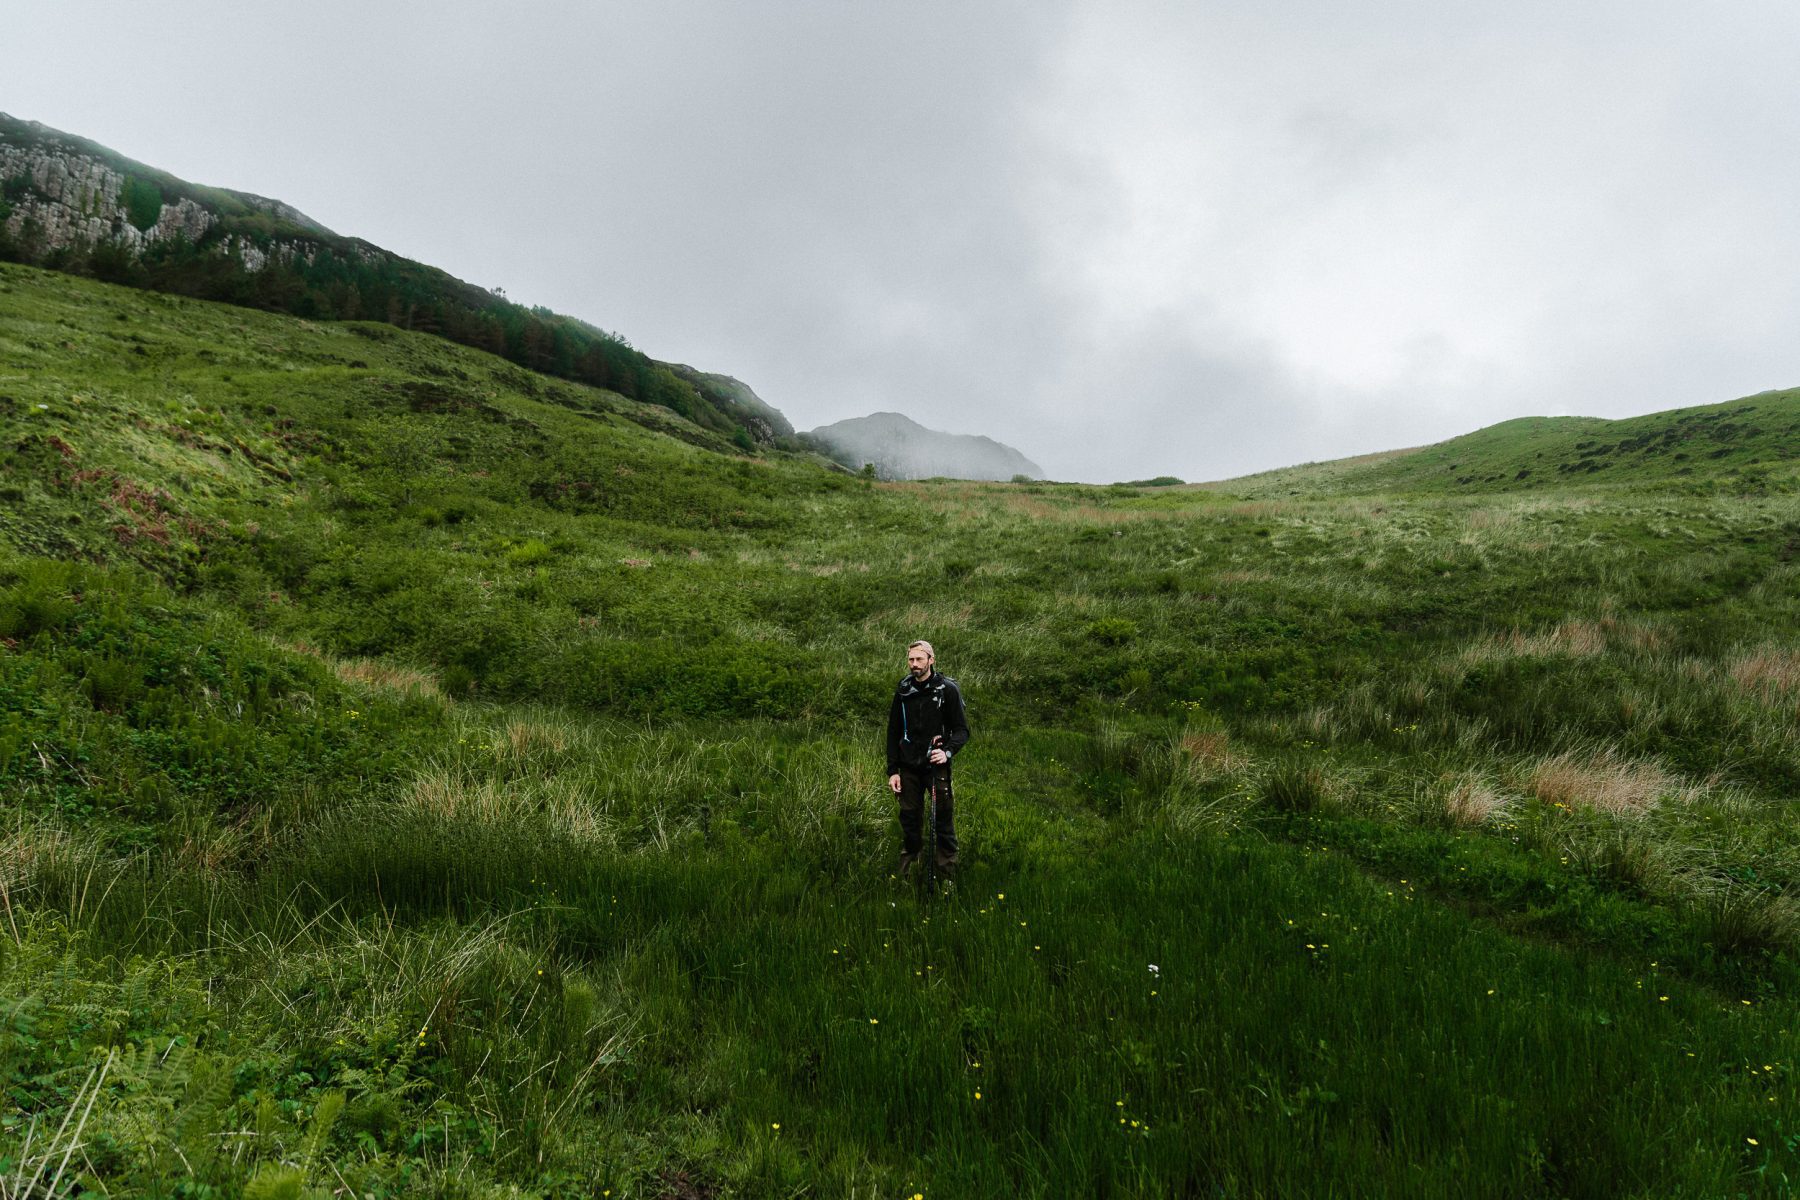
(901,448)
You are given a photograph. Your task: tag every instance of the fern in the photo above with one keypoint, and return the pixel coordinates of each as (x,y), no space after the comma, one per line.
(197,1126)
(276,1183)
(324,1116)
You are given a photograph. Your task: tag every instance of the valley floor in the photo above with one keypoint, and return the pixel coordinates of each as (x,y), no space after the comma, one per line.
(423,779)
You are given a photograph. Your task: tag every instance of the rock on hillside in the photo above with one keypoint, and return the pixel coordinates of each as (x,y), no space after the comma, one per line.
(62,191)
(762,419)
(901,448)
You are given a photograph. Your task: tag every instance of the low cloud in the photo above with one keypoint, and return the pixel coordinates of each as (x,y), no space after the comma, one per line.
(1129,239)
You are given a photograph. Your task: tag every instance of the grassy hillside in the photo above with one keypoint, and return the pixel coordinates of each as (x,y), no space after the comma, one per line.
(1743,445)
(423,778)
(260,253)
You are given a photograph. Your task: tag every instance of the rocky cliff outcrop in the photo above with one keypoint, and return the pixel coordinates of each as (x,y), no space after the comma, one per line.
(71,198)
(58,192)
(763,421)
(901,448)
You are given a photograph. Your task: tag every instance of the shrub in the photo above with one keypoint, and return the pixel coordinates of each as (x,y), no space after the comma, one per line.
(1112,631)
(40,601)
(528,553)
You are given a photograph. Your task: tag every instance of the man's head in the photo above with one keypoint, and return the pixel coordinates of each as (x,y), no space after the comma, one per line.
(919,657)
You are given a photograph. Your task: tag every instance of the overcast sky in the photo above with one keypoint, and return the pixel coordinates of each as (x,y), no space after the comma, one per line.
(1128,238)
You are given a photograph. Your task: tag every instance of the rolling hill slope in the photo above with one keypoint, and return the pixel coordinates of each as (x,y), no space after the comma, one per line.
(1744,444)
(73,205)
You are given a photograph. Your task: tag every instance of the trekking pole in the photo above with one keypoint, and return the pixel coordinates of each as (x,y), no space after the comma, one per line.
(931,845)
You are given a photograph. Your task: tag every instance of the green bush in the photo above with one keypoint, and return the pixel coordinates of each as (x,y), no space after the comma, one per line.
(1112,631)
(529,553)
(40,600)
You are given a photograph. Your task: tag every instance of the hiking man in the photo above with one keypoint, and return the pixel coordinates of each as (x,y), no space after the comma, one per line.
(926,728)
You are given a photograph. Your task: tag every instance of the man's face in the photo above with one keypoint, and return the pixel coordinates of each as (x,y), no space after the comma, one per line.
(918,661)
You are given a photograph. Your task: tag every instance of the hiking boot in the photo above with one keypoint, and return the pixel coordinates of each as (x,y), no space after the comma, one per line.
(907,863)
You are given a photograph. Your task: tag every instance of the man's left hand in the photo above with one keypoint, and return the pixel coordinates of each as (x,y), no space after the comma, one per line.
(938,758)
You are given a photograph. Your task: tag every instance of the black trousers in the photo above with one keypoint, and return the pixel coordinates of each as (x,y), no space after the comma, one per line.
(915,786)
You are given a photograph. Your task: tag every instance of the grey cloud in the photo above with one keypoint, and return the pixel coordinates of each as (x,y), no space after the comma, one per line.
(1136,238)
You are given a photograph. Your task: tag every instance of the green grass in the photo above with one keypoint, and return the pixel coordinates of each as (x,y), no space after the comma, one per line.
(424,778)
(1740,446)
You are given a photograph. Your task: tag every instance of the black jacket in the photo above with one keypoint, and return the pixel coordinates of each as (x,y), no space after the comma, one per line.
(920,712)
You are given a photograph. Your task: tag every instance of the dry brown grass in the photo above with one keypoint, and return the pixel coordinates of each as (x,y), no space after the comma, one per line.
(1772,671)
(1579,638)
(1262,510)
(1648,638)
(445,794)
(1093,514)
(931,619)
(981,503)
(524,738)
(42,863)
(24,846)
(1602,780)
(1471,800)
(1573,639)
(457,797)
(394,678)
(370,672)
(211,847)
(1211,751)
(1493,519)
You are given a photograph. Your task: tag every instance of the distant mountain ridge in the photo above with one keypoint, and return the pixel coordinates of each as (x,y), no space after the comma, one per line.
(901,448)
(72,205)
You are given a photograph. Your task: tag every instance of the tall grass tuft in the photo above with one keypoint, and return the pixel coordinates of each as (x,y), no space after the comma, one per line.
(1293,787)
(1471,800)
(1604,780)
(1624,854)
(1770,670)
(1741,919)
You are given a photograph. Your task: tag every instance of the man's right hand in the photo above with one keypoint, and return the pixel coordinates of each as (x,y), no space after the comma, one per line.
(894,784)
